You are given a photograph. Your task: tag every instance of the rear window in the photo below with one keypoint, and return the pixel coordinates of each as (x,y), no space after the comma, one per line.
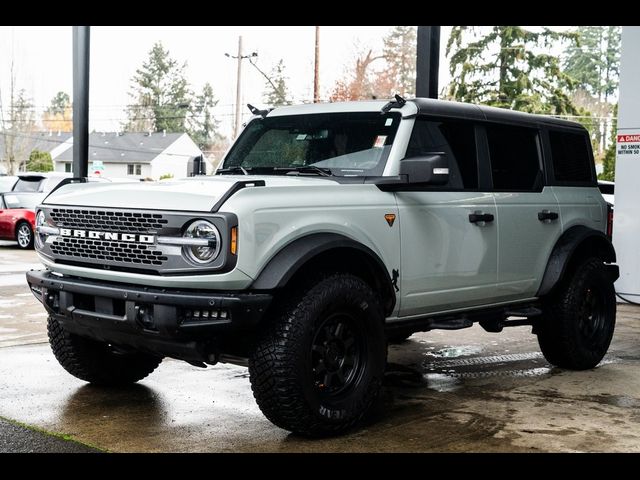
(27,185)
(570,155)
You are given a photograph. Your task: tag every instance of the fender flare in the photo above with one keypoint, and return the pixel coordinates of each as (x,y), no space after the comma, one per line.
(572,241)
(293,256)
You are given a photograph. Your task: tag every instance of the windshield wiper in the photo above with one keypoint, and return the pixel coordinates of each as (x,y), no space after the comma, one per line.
(323,172)
(233,169)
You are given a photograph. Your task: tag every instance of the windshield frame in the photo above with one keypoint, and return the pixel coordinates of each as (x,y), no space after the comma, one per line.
(335,171)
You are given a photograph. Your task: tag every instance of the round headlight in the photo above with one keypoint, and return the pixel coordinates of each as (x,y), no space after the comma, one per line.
(41,221)
(208,248)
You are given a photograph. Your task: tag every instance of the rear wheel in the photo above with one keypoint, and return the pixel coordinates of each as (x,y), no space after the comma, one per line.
(579,319)
(24,235)
(97,362)
(319,365)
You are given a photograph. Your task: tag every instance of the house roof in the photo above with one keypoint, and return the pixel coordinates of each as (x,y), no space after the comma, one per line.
(44,141)
(124,147)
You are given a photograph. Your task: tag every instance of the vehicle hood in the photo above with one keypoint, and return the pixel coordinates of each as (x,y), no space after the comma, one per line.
(199,195)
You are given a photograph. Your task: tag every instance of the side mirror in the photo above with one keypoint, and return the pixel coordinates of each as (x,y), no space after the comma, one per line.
(430,169)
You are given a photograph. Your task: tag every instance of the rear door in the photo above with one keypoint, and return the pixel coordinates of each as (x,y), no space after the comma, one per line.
(448,262)
(528,213)
(574,180)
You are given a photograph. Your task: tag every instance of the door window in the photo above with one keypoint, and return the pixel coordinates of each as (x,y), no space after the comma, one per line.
(515,158)
(457,140)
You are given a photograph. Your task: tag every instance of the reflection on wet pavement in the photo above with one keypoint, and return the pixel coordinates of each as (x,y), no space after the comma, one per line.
(437,396)
(450,391)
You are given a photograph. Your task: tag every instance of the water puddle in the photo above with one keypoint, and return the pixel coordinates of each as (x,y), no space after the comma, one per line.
(461,362)
(441,382)
(453,352)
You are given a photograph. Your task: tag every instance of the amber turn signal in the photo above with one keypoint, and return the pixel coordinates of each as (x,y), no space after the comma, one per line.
(234,240)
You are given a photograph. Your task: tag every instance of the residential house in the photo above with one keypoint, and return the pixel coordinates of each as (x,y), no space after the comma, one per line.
(141,155)
(25,142)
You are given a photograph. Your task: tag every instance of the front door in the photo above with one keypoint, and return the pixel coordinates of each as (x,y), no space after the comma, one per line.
(449,234)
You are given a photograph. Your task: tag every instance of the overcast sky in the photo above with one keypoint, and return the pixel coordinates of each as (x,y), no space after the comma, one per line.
(42,58)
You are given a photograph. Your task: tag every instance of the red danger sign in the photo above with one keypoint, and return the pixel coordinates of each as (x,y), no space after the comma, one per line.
(628,138)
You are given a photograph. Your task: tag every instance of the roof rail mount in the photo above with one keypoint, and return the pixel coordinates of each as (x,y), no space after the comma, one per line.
(399,102)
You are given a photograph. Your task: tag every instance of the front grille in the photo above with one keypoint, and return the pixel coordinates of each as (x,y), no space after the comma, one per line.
(127,252)
(121,222)
(108,253)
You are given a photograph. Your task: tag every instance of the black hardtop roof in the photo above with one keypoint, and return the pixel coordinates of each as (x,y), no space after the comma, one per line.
(444,108)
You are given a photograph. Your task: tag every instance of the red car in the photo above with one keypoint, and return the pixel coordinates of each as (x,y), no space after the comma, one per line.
(18,217)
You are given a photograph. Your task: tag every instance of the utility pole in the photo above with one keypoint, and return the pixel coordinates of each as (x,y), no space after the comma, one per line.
(316,70)
(236,130)
(240,57)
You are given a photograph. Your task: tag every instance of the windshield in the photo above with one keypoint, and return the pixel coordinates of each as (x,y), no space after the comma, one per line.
(21,200)
(347,144)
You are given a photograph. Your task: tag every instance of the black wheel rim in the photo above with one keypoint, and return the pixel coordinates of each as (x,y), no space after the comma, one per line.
(337,355)
(593,319)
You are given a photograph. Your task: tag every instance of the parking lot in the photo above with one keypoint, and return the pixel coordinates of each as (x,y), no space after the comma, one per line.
(445,391)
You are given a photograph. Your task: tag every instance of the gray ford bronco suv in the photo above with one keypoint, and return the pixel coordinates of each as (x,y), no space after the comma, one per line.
(327,231)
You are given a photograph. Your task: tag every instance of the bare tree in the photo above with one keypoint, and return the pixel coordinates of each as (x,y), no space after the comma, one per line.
(359,82)
(17,123)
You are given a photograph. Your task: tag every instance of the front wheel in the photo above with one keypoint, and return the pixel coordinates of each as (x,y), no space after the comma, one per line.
(24,236)
(96,362)
(578,320)
(319,365)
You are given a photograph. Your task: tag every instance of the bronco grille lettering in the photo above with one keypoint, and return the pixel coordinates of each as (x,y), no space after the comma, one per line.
(96,235)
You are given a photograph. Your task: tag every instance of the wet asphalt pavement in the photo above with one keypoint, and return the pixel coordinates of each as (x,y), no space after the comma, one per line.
(445,391)
(18,439)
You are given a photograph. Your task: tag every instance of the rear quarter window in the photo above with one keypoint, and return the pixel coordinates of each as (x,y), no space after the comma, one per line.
(570,153)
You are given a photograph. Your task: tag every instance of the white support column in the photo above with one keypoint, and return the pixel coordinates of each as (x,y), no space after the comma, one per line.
(626,230)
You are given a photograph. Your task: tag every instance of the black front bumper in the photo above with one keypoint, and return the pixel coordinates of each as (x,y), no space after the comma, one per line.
(190,325)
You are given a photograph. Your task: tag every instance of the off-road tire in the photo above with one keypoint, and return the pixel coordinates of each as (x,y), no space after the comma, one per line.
(298,346)
(96,362)
(24,236)
(578,320)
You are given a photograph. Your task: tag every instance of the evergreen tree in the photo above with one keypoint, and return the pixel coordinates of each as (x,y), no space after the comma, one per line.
(509,67)
(59,104)
(39,161)
(595,62)
(59,115)
(609,159)
(203,126)
(160,93)
(399,52)
(276,91)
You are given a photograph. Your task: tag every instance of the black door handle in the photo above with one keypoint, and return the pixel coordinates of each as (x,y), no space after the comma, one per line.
(547,215)
(480,217)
